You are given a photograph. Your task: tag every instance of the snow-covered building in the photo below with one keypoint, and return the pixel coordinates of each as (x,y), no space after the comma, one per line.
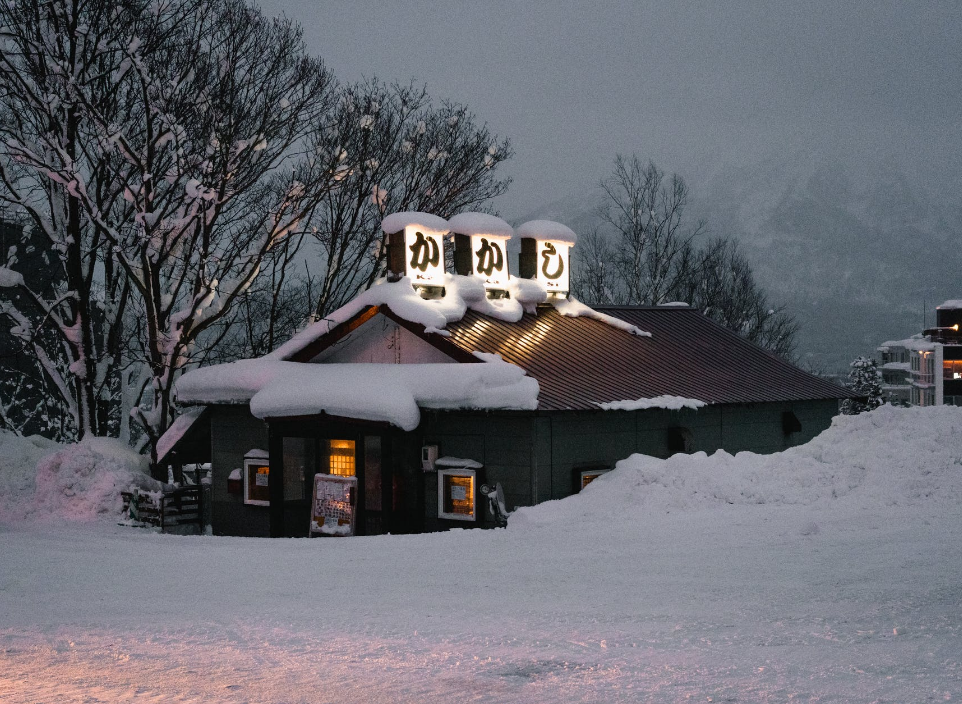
(926,369)
(394,412)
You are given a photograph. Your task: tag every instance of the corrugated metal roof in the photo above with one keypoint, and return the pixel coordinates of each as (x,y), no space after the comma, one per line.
(580,362)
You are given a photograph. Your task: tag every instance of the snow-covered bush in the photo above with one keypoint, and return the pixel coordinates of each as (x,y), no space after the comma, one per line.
(41,480)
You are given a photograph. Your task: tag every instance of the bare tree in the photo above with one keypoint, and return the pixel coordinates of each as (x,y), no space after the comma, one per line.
(399,153)
(68,320)
(645,211)
(649,255)
(183,160)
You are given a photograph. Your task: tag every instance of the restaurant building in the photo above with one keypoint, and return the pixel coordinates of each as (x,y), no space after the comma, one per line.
(438,400)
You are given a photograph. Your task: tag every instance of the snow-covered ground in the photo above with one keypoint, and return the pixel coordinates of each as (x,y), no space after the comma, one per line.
(829,573)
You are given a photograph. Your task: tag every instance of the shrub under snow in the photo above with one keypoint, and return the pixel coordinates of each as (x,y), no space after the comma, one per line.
(41,480)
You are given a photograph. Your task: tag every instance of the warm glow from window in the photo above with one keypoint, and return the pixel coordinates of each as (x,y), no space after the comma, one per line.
(257,489)
(456,499)
(341,461)
(952,369)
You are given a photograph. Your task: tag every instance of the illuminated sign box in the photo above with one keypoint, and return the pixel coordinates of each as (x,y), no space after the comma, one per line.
(545,250)
(489,259)
(416,247)
(481,248)
(424,256)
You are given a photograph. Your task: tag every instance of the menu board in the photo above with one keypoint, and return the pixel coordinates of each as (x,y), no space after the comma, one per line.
(333,505)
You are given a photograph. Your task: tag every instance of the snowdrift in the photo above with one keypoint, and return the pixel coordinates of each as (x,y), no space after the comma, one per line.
(43,481)
(889,457)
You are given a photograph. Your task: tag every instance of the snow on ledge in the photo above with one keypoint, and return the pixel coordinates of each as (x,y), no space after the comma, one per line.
(547,230)
(392,393)
(671,403)
(480,224)
(428,223)
(573,308)
(457,463)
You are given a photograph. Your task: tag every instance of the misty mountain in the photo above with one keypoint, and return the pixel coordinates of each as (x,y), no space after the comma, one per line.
(855,254)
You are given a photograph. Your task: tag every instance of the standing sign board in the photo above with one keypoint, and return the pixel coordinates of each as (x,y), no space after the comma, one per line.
(333,505)
(423,256)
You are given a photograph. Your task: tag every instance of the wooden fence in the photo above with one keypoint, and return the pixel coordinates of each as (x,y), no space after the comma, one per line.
(169,511)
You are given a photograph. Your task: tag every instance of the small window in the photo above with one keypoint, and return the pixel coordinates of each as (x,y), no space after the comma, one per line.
(456,494)
(341,458)
(589,475)
(679,440)
(257,482)
(790,423)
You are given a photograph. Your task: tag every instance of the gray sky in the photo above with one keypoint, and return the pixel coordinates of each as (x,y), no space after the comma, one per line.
(688,84)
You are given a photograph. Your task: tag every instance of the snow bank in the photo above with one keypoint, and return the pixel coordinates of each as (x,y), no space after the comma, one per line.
(391,393)
(889,457)
(672,403)
(43,481)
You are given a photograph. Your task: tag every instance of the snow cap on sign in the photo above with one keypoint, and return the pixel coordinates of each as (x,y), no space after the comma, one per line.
(480,224)
(430,224)
(547,230)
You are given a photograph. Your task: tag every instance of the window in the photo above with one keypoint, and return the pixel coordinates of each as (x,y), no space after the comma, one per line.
(341,458)
(589,475)
(790,423)
(257,481)
(679,440)
(952,369)
(456,494)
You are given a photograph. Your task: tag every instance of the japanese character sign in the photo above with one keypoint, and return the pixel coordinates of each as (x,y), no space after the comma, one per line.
(424,256)
(490,260)
(552,265)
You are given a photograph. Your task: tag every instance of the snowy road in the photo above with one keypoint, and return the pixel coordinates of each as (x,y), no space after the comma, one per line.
(726,604)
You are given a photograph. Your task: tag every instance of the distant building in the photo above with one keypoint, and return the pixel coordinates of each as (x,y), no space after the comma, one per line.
(926,369)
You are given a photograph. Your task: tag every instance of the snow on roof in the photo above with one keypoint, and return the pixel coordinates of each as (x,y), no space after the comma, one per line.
(182,423)
(674,304)
(950,304)
(480,224)
(673,403)
(547,230)
(430,224)
(902,343)
(460,293)
(392,393)
(572,308)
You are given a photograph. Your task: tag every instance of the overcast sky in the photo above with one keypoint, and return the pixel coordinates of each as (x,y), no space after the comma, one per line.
(688,84)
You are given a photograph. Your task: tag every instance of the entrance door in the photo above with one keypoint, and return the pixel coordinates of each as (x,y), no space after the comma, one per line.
(375,486)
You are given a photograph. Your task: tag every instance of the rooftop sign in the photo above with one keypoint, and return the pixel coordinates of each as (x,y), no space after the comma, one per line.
(416,246)
(545,248)
(487,238)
